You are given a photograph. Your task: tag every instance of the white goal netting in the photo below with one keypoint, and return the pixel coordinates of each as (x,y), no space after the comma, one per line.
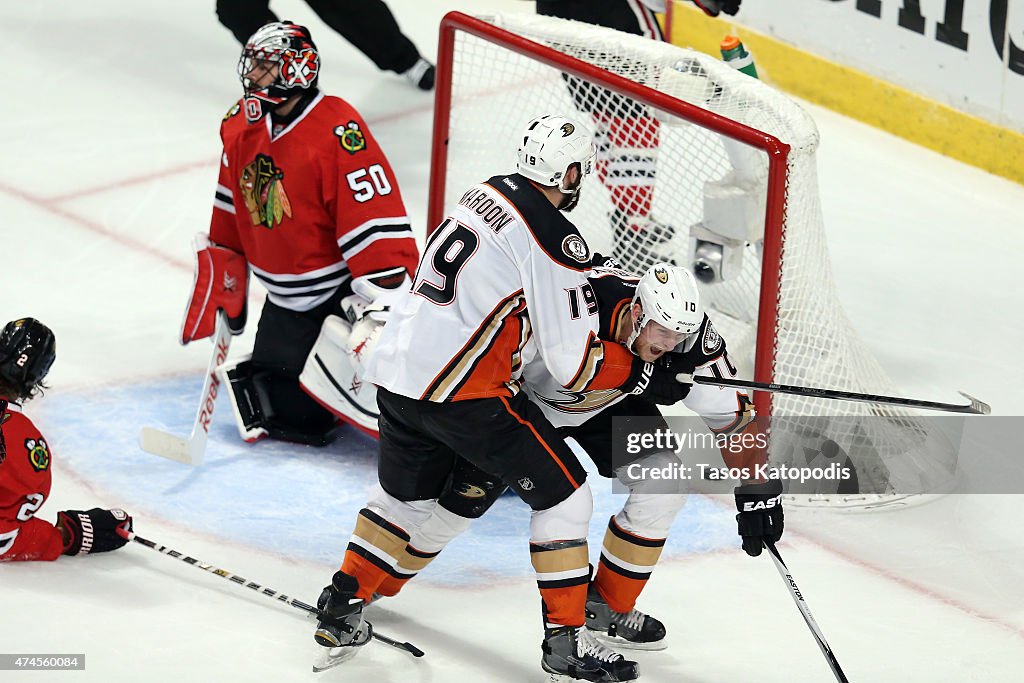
(672,186)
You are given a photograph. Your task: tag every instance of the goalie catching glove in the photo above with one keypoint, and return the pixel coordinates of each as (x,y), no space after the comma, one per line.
(760,518)
(93,531)
(221,283)
(375,293)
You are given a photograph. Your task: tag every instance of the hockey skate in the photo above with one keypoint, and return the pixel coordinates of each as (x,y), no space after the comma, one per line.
(341,630)
(574,654)
(633,630)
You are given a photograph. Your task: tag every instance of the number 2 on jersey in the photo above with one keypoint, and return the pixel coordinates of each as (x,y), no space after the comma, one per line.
(447,253)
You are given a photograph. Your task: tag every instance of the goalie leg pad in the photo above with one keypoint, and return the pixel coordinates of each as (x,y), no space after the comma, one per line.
(332,374)
(249,402)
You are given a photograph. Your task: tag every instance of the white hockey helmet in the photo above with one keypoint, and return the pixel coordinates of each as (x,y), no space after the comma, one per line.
(550,145)
(668,295)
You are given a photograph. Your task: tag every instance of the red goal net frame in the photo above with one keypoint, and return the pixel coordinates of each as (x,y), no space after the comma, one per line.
(776,150)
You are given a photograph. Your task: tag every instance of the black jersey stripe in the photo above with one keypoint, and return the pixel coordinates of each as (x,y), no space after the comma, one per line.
(549,226)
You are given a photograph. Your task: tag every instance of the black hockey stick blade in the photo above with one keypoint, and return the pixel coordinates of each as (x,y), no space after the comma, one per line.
(805,612)
(407,646)
(975,407)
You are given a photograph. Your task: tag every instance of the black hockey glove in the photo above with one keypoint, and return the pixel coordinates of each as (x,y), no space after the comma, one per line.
(664,381)
(760,517)
(713,7)
(93,531)
(601,261)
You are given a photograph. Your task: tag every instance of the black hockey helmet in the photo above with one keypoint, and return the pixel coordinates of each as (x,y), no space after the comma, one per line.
(27,350)
(291,49)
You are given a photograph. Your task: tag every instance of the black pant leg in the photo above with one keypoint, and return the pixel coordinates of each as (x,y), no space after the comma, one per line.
(412,464)
(371,27)
(284,339)
(616,14)
(243,17)
(595,435)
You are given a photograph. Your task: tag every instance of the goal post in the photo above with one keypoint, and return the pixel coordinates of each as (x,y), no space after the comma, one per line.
(700,165)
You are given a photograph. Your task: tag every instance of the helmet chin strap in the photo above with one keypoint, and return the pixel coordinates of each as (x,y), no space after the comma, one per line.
(570,201)
(259,103)
(571,195)
(638,327)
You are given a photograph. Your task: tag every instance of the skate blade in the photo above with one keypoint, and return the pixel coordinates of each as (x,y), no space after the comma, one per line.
(564,678)
(332,657)
(617,643)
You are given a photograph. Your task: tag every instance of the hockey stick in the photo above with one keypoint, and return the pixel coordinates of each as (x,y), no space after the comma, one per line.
(190,451)
(262,590)
(975,406)
(805,611)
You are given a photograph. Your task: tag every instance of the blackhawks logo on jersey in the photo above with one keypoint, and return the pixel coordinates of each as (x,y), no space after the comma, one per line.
(235,108)
(350,137)
(38,454)
(262,185)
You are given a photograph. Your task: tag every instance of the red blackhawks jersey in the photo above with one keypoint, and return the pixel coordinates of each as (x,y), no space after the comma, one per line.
(504,277)
(24,486)
(311,205)
(722,409)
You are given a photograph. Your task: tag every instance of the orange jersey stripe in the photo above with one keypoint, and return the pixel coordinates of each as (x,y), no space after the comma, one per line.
(542,442)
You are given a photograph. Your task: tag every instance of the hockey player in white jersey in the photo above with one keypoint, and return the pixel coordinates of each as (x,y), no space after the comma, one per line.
(655,316)
(490,296)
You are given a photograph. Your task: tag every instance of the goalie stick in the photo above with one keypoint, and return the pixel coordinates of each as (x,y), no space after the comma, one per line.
(975,407)
(190,451)
(805,612)
(262,590)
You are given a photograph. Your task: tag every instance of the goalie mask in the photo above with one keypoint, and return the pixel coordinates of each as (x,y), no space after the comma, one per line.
(27,350)
(669,306)
(278,61)
(551,145)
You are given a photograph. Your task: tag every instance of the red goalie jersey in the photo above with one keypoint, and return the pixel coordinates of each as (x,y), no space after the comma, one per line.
(24,487)
(311,205)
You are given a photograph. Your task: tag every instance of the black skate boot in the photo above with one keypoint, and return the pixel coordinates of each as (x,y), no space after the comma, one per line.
(341,629)
(634,629)
(574,654)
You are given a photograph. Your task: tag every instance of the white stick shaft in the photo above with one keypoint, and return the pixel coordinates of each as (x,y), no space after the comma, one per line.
(805,611)
(190,451)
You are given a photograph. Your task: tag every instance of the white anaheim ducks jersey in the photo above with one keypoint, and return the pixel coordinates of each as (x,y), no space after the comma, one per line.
(505,267)
(722,409)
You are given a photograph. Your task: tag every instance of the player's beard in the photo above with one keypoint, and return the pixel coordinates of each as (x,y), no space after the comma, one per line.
(570,202)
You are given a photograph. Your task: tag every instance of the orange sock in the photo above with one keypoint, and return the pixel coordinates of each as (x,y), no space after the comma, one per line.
(367,557)
(627,561)
(563,573)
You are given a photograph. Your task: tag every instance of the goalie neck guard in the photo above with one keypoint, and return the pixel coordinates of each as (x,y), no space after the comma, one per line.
(278,61)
